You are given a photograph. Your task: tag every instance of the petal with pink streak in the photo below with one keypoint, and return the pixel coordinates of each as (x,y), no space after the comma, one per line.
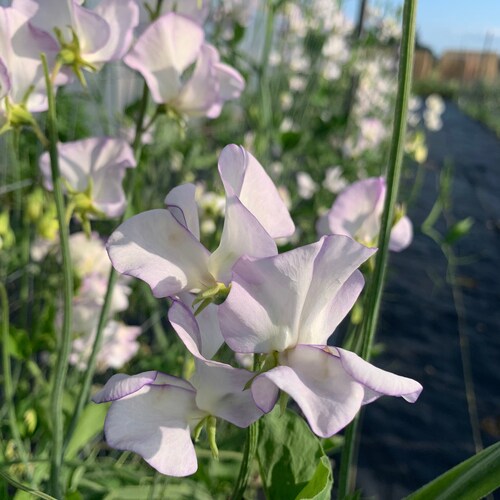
(377,382)
(182,205)
(155,423)
(317,381)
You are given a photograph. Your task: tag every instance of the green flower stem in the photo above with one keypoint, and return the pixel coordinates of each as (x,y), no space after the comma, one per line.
(246,463)
(374,292)
(7,382)
(266,101)
(113,276)
(59,375)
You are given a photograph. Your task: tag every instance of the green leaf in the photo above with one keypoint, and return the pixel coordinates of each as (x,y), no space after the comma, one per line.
(89,426)
(320,485)
(186,490)
(459,230)
(473,479)
(291,459)
(25,489)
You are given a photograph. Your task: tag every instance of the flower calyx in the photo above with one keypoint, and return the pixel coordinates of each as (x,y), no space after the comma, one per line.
(70,55)
(210,425)
(215,295)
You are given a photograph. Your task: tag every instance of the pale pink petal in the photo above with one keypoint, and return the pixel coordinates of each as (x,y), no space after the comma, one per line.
(20,49)
(200,92)
(155,423)
(220,392)
(242,235)
(231,83)
(99,160)
(182,204)
(401,235)
(333,288)
(201,344)
(109,157)
(356,211)
(277,302)
(163,52)
(92,30)
(243,176)
(121,385)
(154,247)
(327,395)
(377,382)
(122,17)
(230,86)
(320,324)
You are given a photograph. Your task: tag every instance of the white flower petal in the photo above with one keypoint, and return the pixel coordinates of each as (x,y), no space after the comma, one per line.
(243,176)
(182,205)
(154,247)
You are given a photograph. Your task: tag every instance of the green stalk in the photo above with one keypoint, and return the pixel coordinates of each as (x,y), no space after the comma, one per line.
(113,276)
(7,382)
(246,463)
(266,109)
(374,292)
(248,453)
(61,368)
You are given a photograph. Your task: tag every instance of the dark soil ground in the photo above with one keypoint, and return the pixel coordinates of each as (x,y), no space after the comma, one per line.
(403,446)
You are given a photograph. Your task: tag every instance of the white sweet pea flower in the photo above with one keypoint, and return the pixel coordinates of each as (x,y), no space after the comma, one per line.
(93,170)
(154,414)
(119,346)
(162,247)
(357,212)
(287,306)
(87,38)
(162,54)
(22,84)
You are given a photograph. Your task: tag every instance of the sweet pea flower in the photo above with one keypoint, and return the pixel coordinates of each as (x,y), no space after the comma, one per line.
(154,414)
(119,346)
(287,306)
(357,213)
(93,170)
(162,247)
(87,38)
(22,84)
(162,54)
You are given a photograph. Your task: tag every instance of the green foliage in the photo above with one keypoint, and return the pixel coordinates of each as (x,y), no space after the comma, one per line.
(473,479)
(291,459)
(89,426)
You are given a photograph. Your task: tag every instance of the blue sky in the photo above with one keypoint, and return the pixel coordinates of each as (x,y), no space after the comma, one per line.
(451,24)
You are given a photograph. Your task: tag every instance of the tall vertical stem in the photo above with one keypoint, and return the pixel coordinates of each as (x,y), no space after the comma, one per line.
(374,292)
(64,340)
(8,388)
